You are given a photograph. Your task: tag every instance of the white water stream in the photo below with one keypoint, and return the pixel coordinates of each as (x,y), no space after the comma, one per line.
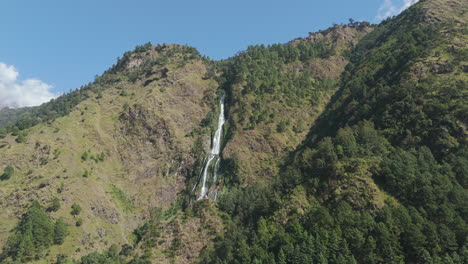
(214,154)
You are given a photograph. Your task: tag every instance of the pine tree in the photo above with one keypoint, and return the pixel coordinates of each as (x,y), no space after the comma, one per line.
(281,257)
(60,231)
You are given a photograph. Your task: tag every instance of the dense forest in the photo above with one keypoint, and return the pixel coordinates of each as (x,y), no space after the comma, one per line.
(389,185)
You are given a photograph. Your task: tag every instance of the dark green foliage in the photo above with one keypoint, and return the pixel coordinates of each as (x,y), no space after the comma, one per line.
(231,170)
(379,85)
(61,188)
(33,235)
(9,116)
(182,54)
(62,259)
(86,173)
(8,172)
(151,230)
(97,158)
(126,107)
(263,74)
(413,148)
(209,119)
(100,157)
(60,231)
(143,48)
(429,223)
(110,256)
(249,204)
(21,137)
(113,256)
(85,156)
(383,173)
(54,205)
(282,125)
(75,209)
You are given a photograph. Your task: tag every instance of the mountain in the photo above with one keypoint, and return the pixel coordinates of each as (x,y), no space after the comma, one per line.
(346,146)
(119,152)
(381,176)
(275,94)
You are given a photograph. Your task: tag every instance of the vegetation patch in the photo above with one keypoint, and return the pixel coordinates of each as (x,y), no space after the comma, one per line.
(124,201)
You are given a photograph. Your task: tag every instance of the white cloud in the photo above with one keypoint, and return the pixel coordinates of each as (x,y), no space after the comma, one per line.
(390,8)
(18,93)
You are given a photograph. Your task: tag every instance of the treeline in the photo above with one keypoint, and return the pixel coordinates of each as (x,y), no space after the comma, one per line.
(9,116)
(260,75)
(260,69)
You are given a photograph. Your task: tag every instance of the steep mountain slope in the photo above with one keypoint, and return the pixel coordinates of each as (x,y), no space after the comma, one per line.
(381,177)
(410,80)
(348,146)
(118,153)
(276,92)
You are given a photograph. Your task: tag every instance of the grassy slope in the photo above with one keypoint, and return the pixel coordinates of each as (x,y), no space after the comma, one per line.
(135,174)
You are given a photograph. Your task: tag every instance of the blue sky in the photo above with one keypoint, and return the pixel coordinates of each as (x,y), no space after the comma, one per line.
(53,46)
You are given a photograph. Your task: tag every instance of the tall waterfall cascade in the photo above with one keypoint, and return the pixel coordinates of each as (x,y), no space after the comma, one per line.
(213,158)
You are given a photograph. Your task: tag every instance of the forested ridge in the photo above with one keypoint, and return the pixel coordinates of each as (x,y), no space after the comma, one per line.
(379,176)
(382,177)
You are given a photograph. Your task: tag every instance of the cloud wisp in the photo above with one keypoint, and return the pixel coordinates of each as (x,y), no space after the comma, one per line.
(390,8)
(19,93)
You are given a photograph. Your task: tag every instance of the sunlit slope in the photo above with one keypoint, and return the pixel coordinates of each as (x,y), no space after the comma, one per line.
(275,94)
(118,153)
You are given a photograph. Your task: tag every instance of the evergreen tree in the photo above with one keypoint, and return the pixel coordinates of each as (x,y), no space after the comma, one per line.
(60,231)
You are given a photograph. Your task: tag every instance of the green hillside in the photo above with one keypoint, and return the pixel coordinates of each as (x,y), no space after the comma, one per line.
(120,152)
(346,146)
(381,177)
(275,93)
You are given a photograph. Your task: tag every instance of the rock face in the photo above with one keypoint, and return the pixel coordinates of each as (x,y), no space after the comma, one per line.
(342,36)
(441,10)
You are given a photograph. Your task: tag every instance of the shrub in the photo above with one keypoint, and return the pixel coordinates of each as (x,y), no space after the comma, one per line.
(79,222)
(7,173)
(54,205)
(21,137)
(76,209)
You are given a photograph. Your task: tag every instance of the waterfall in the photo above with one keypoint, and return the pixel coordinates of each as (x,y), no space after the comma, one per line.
(214,153)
